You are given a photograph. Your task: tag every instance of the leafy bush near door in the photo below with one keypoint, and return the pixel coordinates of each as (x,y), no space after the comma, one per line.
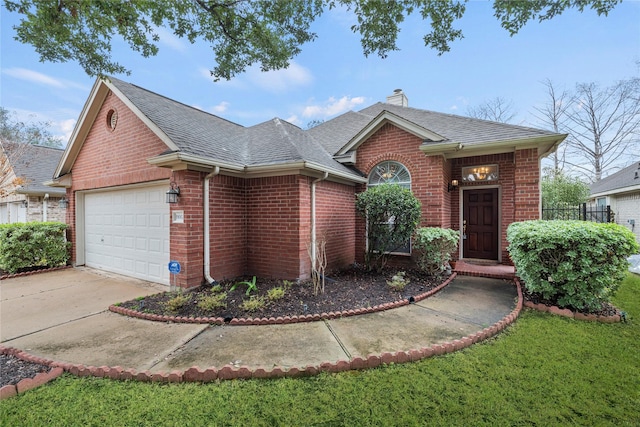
(392,214)
(579,264)
(33,244)
(433,247)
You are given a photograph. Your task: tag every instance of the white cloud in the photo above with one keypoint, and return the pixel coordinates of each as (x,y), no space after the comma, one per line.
(333,107)
(463,101)
(33,76)
(280,80)
(171,40)
(295,120)
(220,108)
(66,126)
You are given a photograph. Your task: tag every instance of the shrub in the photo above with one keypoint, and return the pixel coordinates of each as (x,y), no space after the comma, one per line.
(392,214)
(177,302)
(211,302)
(275,293)
(579,264)
(433,248)
(33,244)
(254,303)
(398,282)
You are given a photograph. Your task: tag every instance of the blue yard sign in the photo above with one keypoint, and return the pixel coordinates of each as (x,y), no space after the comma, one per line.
(174,267)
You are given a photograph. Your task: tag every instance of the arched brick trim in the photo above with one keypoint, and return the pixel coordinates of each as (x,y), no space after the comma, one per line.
(404,160)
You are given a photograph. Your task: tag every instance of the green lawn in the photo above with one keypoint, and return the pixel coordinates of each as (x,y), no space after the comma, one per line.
(544,370)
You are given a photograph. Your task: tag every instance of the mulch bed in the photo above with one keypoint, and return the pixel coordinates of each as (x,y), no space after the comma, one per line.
(346,290)
(13,369)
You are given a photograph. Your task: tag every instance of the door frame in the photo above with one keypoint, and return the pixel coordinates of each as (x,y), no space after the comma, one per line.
(461,214)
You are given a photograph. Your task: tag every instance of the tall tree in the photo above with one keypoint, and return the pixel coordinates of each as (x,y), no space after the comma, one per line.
(246,32)
(553,115)
(17,131)
(604,126)
(497,109)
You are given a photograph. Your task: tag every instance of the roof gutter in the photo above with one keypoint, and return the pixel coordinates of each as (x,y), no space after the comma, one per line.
(207,239)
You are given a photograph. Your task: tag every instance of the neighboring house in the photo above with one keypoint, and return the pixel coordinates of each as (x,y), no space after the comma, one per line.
(24,197)
(620,191)
(251,199)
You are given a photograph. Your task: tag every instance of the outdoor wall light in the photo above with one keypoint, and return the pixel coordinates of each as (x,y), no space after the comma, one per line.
(25,204)
(63,203)
(453,185)
(173,193)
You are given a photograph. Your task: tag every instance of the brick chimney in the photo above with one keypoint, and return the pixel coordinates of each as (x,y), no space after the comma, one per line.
(398,98)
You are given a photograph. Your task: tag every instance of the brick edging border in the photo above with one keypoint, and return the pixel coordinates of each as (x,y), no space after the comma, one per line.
(281,319)
(25,384)
(229,372)
(30,273)
(572,314)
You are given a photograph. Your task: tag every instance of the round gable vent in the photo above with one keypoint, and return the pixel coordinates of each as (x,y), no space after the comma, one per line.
(112,119)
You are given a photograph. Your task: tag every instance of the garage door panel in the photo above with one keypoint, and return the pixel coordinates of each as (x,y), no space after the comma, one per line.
(127,231)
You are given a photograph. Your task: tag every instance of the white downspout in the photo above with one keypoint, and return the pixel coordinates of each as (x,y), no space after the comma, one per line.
(45,204)
(313,219)
(207,242)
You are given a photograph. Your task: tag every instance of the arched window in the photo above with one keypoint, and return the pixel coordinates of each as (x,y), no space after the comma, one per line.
(390,172)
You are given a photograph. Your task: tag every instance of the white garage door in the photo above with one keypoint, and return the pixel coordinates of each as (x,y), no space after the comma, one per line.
(127,232)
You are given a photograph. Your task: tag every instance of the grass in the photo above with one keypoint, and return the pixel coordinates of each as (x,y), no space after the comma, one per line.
(543,370)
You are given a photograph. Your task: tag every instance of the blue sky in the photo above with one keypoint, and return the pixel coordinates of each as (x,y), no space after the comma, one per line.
(332,76)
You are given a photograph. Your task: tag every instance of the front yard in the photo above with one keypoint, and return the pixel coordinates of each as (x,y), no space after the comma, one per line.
(543,370)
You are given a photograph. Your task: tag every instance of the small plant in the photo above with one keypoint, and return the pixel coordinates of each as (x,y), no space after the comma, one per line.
(251,286)
(216,288)
(139,298)
(276,293)
(213,301)
(254,303)
(177,302)
(398,282)
(287,284)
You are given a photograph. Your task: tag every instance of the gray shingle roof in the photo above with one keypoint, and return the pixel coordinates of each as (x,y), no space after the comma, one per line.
(37,164)
(199,133)
(627,177)
(465,130)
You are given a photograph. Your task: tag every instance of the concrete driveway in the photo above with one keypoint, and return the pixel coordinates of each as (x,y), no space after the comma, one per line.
(63,316)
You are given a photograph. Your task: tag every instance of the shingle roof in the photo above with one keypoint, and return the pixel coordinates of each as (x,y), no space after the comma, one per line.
(627,177)
(196,132)
(465,130)
(37,164)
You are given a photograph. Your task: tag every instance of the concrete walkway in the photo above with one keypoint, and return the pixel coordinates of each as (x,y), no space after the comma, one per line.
(62,316)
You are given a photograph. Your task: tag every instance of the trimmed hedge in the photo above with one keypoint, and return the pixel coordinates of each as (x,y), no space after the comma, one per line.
(33,244)
(579,264)
(434,246)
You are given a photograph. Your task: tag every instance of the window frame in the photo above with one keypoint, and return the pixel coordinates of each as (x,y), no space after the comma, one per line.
(405,183)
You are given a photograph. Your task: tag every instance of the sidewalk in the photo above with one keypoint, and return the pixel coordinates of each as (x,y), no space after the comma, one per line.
(62,316)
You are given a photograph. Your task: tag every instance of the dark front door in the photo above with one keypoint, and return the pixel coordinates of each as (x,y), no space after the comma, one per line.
(480,224)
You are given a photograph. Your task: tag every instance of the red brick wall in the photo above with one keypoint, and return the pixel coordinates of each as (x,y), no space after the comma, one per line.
(429,176)
(506,170)
(112,158)
(228,227)
(527,185)
(187,240)
(274,247)
(336,222)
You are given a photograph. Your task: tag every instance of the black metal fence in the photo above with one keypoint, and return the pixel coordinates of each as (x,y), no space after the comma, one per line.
(582,213)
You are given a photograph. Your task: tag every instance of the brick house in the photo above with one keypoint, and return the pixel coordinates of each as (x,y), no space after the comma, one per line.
(31,200)
(620,191)
(272,188)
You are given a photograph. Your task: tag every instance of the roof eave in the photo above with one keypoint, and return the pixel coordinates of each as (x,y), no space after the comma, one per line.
(88,115)
(452,150)
(380,120)
(616,191)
